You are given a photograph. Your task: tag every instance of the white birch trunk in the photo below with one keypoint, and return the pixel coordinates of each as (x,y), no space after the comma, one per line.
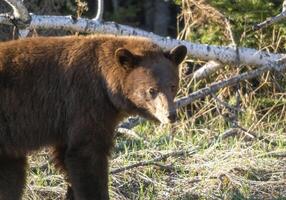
(223,54)
(19,10)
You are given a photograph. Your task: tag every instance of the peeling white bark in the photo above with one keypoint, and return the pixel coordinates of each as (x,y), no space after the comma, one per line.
(209,68)
(223,54)
(100,8)
(218,54)
(214,87)
(19,10)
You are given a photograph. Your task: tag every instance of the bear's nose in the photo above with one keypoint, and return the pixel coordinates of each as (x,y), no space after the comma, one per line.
(172,117)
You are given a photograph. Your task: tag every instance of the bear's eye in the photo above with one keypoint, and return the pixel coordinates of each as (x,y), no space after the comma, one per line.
(153,92)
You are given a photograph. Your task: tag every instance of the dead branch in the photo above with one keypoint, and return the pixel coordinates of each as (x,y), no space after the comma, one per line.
(202,11)
(205,71)
(226,105)
(131,122)
(218,85)
(19,10)
(276,154)
(227,55)
(128,133)
(221,54)
(213,88)
(229,133)
(252,135)
(153,161)
(272,20)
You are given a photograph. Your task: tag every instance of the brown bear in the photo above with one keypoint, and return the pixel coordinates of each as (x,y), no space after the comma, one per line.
(70,93)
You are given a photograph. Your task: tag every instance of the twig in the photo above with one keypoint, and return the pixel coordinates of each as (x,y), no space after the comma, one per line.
(209,68)
(153,161)
(165,167)
(183,101)
(253,135)
(19,10)
(227,55)
(272,20)
(129,133)
(218,85)
(226,105)
(229,133)
(277,154)
(131,122)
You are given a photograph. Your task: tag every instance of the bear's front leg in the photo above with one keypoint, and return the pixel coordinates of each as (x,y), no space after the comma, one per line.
(87,167)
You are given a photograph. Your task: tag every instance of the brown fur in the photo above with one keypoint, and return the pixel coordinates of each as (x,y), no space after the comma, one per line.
(70,93)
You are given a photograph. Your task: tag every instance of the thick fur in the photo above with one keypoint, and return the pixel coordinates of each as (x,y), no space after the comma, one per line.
(69,93)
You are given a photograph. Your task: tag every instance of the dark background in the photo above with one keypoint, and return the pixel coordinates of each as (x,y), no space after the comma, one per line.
(158,16)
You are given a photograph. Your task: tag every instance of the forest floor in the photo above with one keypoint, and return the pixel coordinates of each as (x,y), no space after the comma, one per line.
(199,157)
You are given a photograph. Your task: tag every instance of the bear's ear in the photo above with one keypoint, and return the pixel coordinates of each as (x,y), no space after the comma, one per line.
(125,58)
(177,54)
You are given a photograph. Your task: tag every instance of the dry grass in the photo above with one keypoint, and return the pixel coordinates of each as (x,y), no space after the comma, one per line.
(249,164)
(243,165)
(237,167)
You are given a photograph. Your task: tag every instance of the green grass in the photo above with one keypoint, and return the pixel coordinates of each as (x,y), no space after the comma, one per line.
(232,168)
(237,167)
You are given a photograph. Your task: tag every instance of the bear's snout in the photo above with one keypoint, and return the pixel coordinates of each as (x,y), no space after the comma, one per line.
(172,117)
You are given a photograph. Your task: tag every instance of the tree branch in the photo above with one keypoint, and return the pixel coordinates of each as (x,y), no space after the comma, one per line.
(128,133)
(153,161)
(100,9)
(184,101)
(272,20)
(209,68)
(227,55)
(223,54)
(228,82)
(19,10)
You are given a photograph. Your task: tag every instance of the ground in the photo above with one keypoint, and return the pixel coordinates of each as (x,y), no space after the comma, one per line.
(205,162)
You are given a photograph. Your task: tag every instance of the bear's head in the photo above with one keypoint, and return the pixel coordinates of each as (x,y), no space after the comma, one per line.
(152,81)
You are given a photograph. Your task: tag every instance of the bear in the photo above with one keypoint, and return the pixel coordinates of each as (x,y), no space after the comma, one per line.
(69,93)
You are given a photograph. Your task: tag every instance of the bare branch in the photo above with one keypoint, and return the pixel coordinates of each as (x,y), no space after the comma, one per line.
(197,11)
(277,154)
(272,20)
(227,55)
(221,54)
(226,105)
(5,18)
(100,9)
(128,133)
(209,68)
(131,122)
(19,10)
(229,133)
(218,85)
(153,161)
(183,101)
